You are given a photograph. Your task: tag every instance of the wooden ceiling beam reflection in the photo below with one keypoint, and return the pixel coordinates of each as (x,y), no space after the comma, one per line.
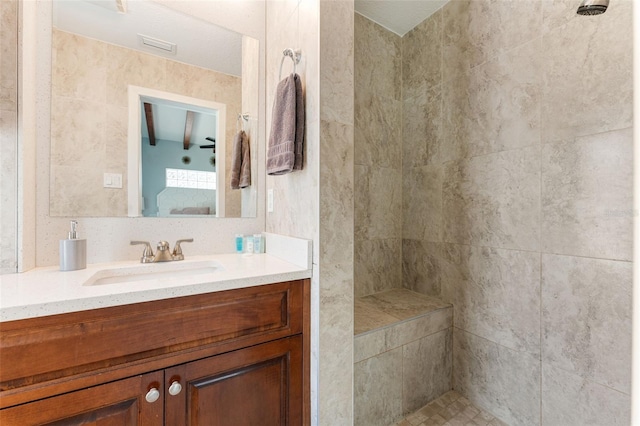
(188,126)
(148,112)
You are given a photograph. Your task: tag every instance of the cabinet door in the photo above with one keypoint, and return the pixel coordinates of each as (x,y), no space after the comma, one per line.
(121,403)
(259,385)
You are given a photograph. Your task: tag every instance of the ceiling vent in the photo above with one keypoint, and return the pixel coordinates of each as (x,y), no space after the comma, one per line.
(157,44)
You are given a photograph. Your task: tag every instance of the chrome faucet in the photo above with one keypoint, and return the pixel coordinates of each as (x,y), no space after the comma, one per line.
(164,253)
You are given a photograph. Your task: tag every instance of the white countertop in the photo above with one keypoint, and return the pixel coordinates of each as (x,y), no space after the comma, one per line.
(49,291)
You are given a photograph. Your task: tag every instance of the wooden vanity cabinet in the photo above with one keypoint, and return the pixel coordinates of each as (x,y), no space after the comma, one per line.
(238,357)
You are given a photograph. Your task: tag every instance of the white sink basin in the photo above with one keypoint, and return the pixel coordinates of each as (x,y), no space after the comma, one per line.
(153,271)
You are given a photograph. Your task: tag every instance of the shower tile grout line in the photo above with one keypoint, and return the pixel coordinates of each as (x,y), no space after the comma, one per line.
(523,250)
(541,147)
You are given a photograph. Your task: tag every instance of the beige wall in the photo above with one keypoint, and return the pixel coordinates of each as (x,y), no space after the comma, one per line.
(317,202)
(378,158)
(8,134)
(89,118)
(520,161)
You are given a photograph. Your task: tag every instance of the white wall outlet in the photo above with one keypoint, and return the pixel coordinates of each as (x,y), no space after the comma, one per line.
(112,180)
(270,200)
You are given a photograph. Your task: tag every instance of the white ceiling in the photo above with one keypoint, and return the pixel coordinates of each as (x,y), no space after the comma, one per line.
(198,42)
(398,16)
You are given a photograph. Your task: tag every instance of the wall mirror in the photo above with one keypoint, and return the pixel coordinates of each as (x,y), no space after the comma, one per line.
(123,70)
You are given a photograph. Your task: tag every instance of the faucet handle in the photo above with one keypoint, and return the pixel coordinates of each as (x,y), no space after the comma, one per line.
(147,254)
(177,250)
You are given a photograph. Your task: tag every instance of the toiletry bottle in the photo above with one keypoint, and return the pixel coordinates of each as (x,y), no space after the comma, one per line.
(257,243)
(73,251)
(248,245)
(239,243)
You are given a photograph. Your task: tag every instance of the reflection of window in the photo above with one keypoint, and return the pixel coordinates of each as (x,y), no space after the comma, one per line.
(180,178)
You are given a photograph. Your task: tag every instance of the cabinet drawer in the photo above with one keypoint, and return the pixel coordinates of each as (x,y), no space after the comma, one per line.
(38,350)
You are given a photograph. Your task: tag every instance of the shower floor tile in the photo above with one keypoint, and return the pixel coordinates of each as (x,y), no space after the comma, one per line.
(451,409)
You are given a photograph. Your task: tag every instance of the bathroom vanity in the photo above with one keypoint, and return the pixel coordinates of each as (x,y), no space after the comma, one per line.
(229,354)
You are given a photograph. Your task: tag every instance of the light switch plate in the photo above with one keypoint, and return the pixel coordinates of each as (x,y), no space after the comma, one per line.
(112,180)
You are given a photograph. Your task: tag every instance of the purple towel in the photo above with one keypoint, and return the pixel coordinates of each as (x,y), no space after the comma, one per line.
(240,161)
(285,153)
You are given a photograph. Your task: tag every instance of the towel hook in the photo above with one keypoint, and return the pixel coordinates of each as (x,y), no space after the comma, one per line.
(294,54)
(240,120)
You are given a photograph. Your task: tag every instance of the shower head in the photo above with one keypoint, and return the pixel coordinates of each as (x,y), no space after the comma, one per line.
(593,7)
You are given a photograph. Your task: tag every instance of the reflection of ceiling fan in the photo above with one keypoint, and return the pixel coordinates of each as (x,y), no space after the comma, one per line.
(209,146)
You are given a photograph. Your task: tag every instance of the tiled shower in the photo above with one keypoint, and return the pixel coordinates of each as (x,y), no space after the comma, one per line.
(493,170)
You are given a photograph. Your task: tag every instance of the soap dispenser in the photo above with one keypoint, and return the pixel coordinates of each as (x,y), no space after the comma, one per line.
(73,251)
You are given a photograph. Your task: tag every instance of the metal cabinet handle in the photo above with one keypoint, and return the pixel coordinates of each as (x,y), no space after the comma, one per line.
(175,388)
(152,395)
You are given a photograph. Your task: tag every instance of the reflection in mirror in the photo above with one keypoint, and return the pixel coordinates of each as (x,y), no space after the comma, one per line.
(176,141)
(98,54)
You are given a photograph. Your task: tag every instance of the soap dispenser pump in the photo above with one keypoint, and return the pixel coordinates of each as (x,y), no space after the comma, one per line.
(73,251)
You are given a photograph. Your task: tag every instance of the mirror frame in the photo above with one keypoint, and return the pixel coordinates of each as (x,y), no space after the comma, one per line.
(134,144)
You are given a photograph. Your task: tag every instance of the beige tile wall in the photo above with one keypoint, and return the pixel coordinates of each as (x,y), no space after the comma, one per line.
(336,246)
(378,158)
(317,202)
(89,118)
(378,392)
(8,134)
(517,194)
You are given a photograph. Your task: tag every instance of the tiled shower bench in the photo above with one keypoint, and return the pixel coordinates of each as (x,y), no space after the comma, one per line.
(402,354)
